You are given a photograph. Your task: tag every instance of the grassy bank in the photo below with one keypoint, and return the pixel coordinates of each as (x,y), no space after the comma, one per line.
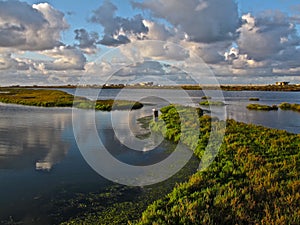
(253,180)
(56,98)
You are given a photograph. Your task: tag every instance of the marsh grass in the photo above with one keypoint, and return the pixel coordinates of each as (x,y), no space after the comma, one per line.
(253,180)
(56,98)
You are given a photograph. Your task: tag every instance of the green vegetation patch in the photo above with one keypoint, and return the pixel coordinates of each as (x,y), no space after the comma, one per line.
(42,97)
(205,97)
(212,103)
(289,106)
(262,107)
(253,180)
(56,98)
(182,123)
(253,99)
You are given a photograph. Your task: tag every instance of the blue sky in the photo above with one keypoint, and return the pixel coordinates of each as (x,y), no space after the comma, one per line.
(59,42)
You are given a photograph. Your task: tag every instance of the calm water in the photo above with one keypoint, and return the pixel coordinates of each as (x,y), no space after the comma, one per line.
(39,156)
(236,102)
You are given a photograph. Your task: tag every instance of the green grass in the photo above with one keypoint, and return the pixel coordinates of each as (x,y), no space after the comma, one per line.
(56,98)
(253,180)
(262,107)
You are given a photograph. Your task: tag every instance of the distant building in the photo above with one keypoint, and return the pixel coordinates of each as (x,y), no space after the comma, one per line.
(283,83)
(145,84)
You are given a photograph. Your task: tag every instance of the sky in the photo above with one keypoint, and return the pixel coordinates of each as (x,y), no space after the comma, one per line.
(59,42)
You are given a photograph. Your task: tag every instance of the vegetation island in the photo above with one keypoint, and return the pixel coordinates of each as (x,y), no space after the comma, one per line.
(212,103)
(262,107)
(290,106)
(254,99)
(282,106)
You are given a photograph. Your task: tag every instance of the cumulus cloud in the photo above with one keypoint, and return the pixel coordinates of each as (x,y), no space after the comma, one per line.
(87,41)
(157,31)
(203,21)
(8,62)
(152,71)
(117,30)
(267,35)
(212,53)
(138,51)
(26,27)
(265,44)
(268,44)
(290,71)
(65,58)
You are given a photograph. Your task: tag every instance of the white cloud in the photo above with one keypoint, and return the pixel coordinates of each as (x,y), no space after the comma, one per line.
(212,53)
(138,51)
(287,71)
(265,45)
(157,31)
(87,41)
(265,36)
(26,27)
(203,21)
(117,29)
(65,58)
(8,62)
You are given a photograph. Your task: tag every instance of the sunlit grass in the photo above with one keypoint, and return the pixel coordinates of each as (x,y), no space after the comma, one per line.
(56,98)
(253,180)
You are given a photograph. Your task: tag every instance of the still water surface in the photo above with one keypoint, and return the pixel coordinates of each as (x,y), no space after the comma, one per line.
(39,155)
(236,102)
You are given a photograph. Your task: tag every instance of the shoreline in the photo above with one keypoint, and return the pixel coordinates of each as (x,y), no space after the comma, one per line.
(287,88)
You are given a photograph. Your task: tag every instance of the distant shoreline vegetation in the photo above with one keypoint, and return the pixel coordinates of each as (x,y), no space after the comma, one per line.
(273,87)
(56,98)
